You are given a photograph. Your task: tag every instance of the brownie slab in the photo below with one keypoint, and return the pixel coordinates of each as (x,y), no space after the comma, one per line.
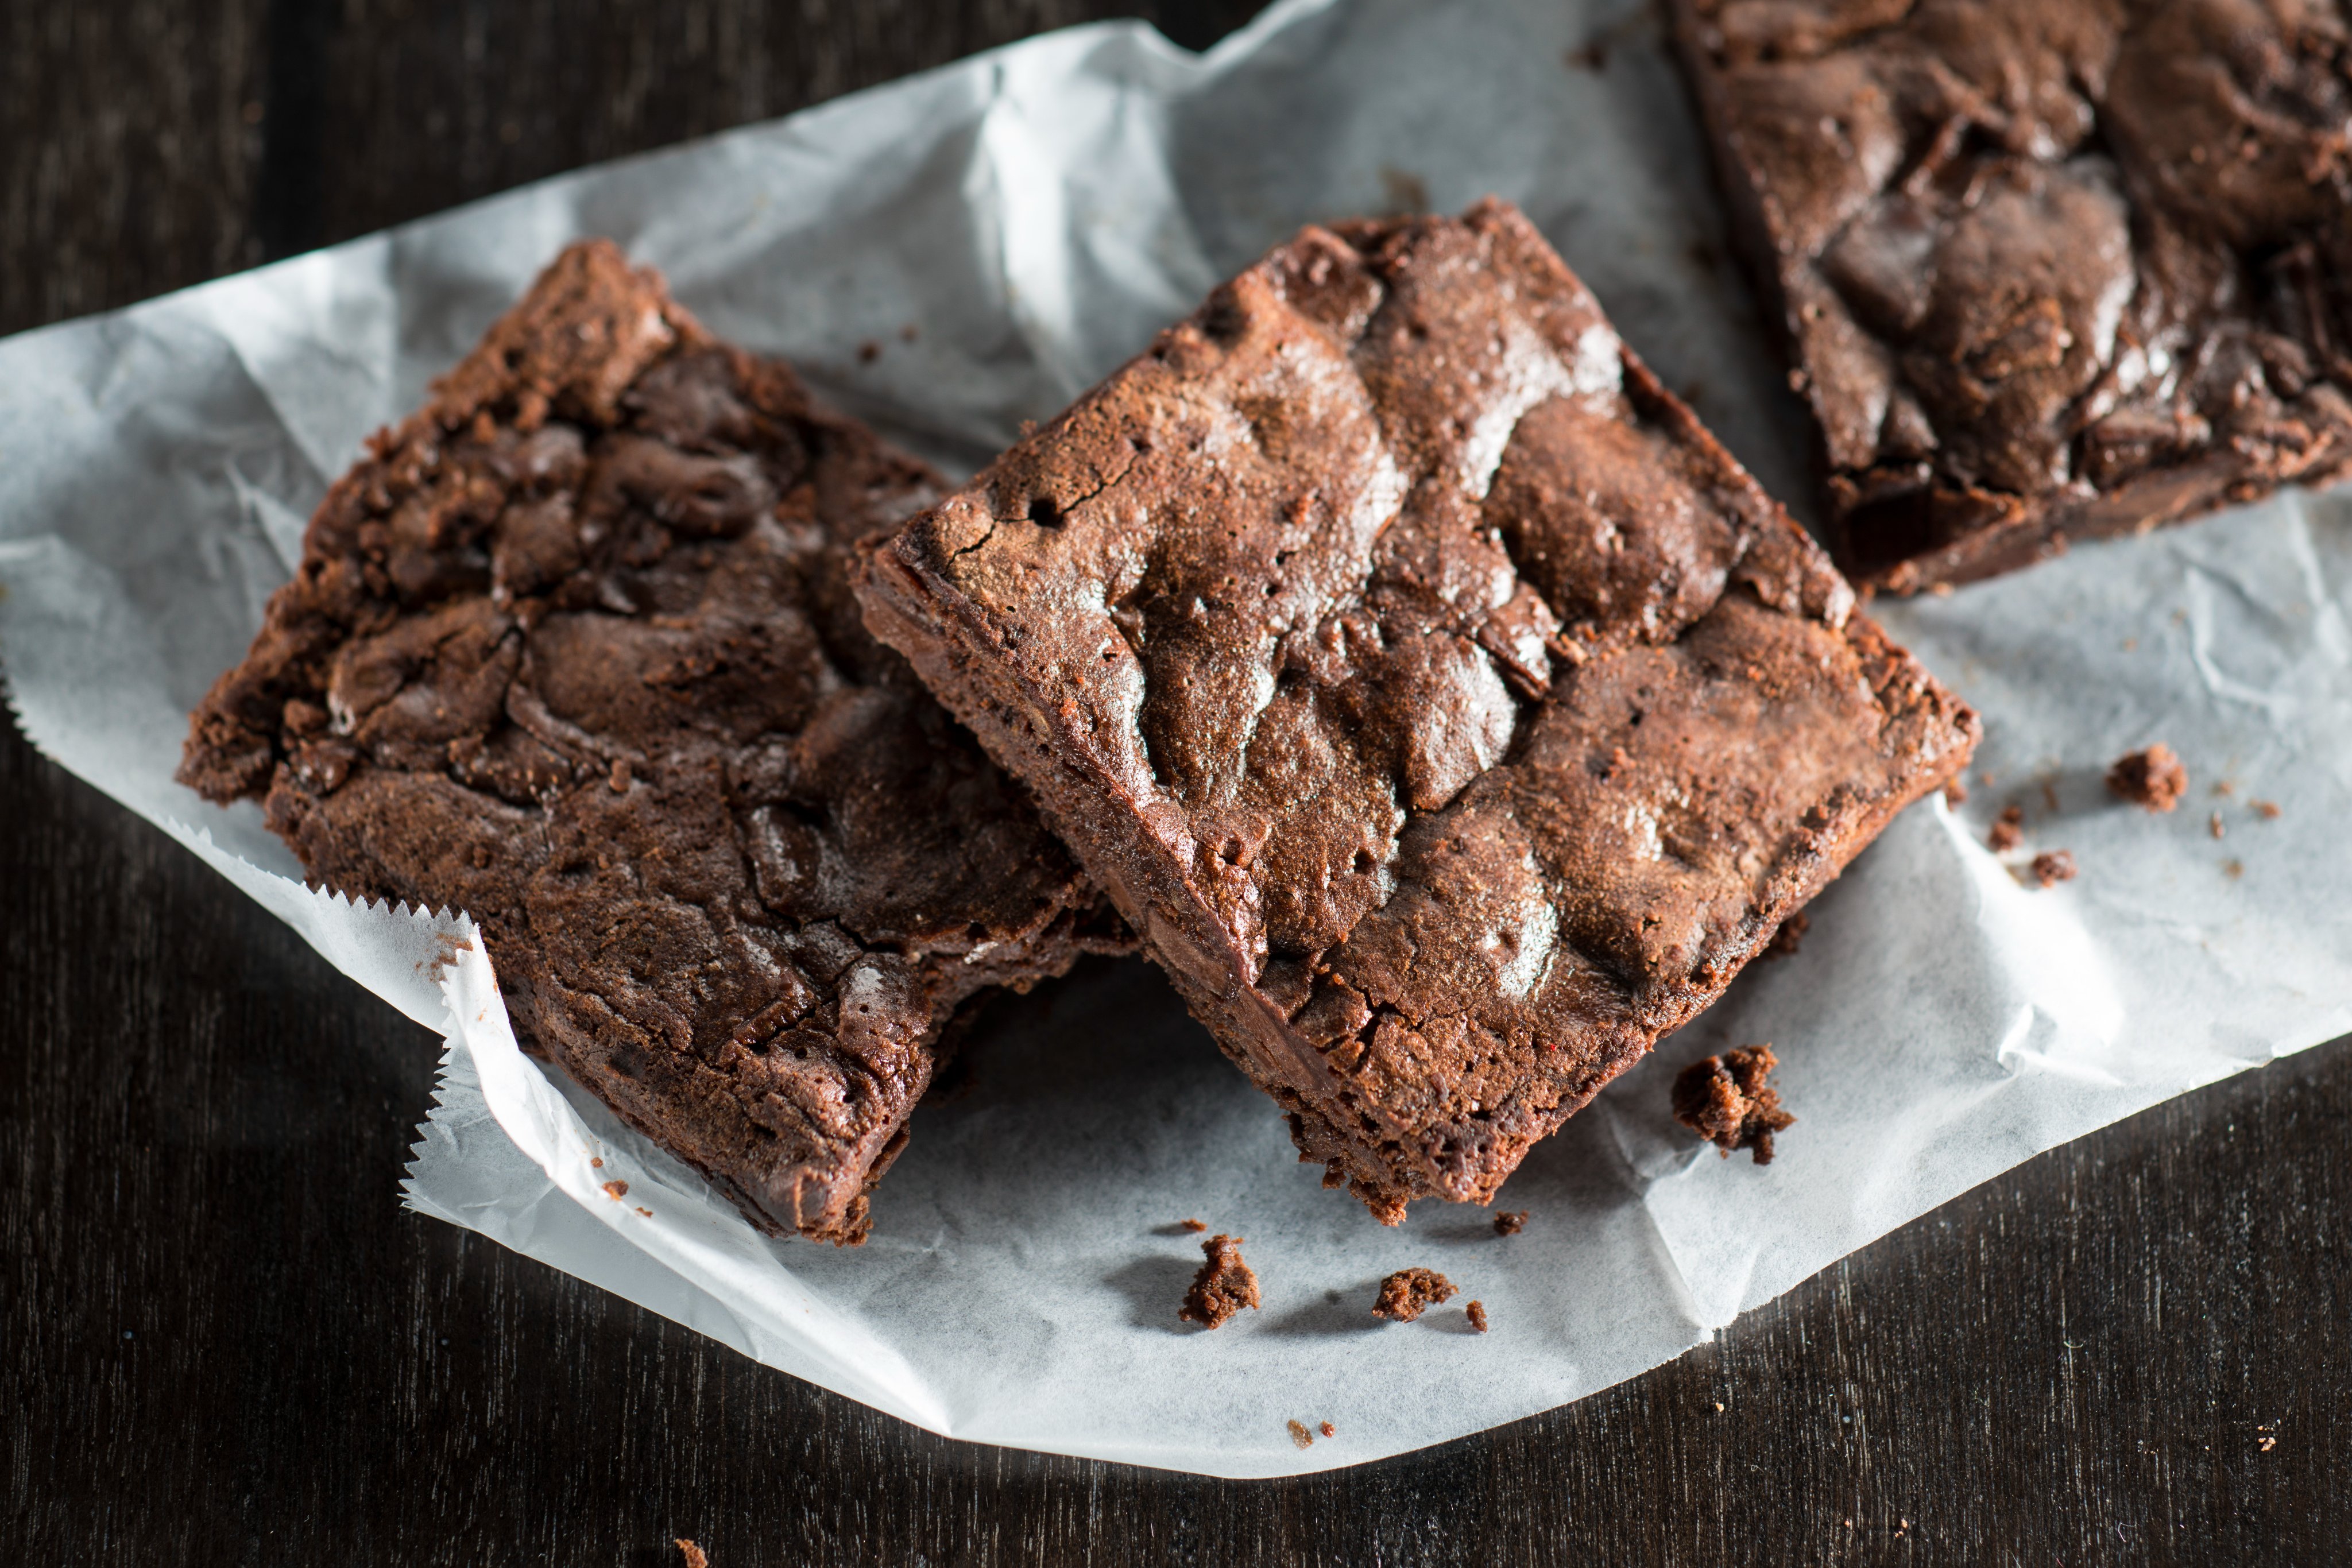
(2067,269)
(574,650)
(1447,710)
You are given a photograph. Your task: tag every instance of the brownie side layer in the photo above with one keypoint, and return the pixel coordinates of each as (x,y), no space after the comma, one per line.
(2047,269)
(572,649)
(1446,708)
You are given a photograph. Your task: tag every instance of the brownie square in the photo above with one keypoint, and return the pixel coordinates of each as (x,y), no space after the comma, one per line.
(2062,269)
(574,650)
(1449,712)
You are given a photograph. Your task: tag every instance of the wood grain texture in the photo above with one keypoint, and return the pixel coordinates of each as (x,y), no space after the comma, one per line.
(221,1341)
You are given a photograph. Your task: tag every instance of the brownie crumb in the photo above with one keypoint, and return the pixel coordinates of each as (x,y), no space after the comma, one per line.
(1224,1286)
(1299,1435)
(2153,779)
(2009,832)
(2233,869)
(1408,1292)
(2266,809)
(1793,931)
(596,1161)
(694,1556)
(1328,1430)
(2054,867)
(1476,1313)
(1725,1100)
(868,351)
(1510,1222)
(1956,793)
(616,1190)
(1192,1225)
(2214,825)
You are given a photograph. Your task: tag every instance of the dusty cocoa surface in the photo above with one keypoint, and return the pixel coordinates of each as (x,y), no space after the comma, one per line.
(571,650)
(1447,709)
(2046,269)
(1725,1100)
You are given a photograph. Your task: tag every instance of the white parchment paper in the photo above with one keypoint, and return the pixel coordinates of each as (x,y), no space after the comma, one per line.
(1033,216)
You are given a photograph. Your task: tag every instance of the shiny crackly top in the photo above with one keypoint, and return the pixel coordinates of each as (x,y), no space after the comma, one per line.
(572,649)
(2043,254)
(1494,713)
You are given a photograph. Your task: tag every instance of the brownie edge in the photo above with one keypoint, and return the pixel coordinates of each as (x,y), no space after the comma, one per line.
(1448,712)
(571,649)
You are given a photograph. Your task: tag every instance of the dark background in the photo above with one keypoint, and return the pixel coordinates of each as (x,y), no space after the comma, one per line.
(222,1340)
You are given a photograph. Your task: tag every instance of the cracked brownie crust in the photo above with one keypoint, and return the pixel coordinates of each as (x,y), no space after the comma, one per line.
(2047,269)
(572,649)
(1449,711)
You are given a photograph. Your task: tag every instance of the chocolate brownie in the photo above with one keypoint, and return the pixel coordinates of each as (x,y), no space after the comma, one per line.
(572,649)
(2048,269)
(1449,712)
(1224,1286)
(1726,1099)
(1408,1292)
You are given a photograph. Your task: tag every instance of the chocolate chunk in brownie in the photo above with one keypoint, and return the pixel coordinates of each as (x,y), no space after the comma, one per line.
(1224,1286)
(572,649)
(2048,269)
(1408,1292)
(1476,1313)
(1510,1222)
(1725,1100)
(2053,867)
(2153,779)
(1449,712)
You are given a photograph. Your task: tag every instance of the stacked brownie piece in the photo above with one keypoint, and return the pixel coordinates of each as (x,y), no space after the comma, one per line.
(2047,269)
(1447,712)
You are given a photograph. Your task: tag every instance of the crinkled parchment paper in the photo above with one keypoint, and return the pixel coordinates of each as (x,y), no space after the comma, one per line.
(1034,216)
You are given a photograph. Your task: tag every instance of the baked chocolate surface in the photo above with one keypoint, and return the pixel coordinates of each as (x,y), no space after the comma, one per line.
(1449,712)
(572,649)
(2048,269)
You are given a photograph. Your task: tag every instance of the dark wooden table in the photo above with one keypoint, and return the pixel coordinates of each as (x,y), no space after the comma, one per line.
(222,1340)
